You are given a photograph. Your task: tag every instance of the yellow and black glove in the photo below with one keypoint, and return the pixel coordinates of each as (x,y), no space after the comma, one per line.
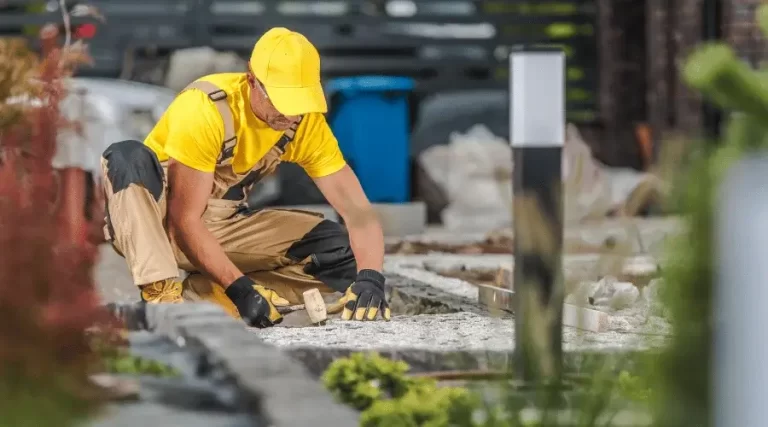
(365,299)
(254,303)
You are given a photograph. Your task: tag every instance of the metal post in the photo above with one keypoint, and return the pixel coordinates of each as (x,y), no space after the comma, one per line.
(537,135)
(740,346)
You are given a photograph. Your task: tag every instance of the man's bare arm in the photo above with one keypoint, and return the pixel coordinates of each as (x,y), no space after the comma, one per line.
(343,191)
(188,193)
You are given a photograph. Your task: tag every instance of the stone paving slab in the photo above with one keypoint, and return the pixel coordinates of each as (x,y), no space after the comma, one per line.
(576,268)
(650,229)
(152,414)
(268,378)
(410,296)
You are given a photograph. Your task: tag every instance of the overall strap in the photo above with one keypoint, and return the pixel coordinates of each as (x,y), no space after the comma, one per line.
(288,135)
(219,98)
(286,138)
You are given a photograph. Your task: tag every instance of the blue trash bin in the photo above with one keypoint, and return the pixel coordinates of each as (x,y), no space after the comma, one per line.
(369,116)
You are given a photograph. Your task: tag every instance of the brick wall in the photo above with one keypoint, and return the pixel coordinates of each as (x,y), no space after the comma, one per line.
(640,76)
(674,28)
(742,32)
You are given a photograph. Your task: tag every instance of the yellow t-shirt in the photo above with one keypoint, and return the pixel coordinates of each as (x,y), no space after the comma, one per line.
(191,131)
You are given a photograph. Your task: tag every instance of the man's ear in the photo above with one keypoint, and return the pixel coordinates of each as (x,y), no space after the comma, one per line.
(251,79)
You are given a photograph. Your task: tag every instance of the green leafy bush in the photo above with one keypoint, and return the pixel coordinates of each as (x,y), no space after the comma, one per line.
(388,397)
(634,387)
(361,379)
(424,406)
(683,376)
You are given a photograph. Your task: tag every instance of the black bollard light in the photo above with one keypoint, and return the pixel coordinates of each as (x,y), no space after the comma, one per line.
(537,135)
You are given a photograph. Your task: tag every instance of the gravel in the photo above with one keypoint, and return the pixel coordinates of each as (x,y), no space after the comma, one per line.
(455,332)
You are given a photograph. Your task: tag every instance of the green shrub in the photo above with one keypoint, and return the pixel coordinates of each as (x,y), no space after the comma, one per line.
(362,379)
(683,376)
(424,406)
(634,387)
(387,396)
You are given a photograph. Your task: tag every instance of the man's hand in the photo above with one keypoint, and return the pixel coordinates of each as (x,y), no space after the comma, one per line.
(365,299)
(254,303)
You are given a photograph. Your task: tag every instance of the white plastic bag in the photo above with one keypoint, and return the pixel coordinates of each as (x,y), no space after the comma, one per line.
(592,189)
(187,65)
(478,183)
(587,191)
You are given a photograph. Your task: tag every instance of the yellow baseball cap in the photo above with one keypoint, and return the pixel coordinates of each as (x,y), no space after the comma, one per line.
(288,66)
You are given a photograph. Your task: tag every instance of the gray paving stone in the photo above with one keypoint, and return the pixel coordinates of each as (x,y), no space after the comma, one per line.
(155,414)
(275,364)
(413,292)
(193,309)
(192,326)
(292,401)
(162,316)
(188,326)
(225,338)
(272,383)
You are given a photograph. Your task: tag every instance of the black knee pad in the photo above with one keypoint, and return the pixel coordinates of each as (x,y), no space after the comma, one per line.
(332,260)
(132,162)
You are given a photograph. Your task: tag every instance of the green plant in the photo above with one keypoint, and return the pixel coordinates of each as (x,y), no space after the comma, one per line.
(362,379)
(683,376)
(634,387)
(387,396)
(123,362)
(424,406)
(115,357)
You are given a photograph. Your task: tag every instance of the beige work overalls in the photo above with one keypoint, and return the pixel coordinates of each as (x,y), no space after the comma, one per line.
(255,241)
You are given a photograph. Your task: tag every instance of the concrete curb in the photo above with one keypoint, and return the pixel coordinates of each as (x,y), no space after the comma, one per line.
(274,386)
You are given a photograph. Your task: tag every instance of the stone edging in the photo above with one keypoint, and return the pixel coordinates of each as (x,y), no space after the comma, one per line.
(274,386)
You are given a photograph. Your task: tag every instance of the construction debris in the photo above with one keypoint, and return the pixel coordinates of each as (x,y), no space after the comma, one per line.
(585,318)
(503,278)
(640,271)
(624,296)
(496,298)
(478,188)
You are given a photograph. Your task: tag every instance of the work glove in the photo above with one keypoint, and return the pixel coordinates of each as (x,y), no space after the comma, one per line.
(254,303)
(364,299)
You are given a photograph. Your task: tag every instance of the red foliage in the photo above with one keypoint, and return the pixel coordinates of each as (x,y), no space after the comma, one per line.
(49,247)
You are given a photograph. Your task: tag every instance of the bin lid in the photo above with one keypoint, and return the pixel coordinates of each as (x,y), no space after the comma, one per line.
(357,84)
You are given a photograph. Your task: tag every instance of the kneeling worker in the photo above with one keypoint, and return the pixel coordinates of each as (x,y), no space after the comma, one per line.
(178,199)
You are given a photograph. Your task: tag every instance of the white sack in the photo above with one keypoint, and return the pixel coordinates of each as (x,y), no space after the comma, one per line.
(187,65)
(475,172)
